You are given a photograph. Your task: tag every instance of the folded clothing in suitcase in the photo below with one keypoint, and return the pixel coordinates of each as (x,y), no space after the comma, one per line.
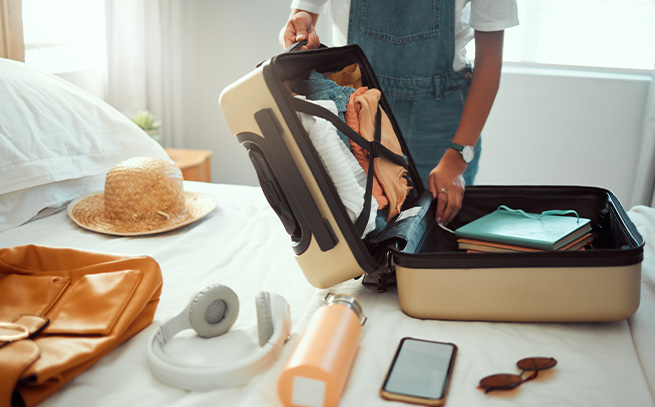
(434,278)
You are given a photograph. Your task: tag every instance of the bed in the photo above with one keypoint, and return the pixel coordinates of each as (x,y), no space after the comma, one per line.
(242,244)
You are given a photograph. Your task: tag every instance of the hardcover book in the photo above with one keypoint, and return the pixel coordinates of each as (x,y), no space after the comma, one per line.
(483,246)
(549,230)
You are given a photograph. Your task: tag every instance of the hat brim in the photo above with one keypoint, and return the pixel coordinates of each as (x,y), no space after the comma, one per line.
(88,212)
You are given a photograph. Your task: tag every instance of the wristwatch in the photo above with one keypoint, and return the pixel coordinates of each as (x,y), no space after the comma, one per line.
(466,152)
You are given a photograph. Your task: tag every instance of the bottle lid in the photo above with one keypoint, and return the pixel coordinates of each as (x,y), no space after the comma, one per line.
(349,301)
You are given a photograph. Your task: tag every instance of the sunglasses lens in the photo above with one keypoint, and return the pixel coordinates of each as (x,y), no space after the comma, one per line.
(500,381)
(536,363)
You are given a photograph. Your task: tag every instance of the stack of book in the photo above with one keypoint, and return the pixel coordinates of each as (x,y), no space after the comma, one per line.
(510,230)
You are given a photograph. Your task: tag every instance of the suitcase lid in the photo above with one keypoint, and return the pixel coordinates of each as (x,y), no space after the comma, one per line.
(290,66)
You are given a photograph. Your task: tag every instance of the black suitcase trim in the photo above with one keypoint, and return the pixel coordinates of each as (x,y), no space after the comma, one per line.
(617,240)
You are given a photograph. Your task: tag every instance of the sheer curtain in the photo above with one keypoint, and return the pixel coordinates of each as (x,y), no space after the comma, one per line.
(644,189)
(144,61)
(11,30)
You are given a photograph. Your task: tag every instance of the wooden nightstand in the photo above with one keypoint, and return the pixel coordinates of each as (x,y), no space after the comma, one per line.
(195,164)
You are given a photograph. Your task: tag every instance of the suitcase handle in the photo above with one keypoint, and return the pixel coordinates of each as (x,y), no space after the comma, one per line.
(296,46)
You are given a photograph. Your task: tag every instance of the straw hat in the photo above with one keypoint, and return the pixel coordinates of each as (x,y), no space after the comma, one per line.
(142,196)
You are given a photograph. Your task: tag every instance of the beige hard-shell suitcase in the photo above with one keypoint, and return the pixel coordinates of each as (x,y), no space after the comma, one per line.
(434,279)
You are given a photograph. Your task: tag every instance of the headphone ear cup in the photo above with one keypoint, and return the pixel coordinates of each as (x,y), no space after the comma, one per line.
(264,317)
(213,310)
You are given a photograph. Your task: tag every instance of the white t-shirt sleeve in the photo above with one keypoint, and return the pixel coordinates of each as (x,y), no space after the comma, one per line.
(312,6)
(493,15)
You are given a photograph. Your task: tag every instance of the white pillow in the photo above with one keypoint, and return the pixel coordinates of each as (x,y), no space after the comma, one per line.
(20,206)
(57,142)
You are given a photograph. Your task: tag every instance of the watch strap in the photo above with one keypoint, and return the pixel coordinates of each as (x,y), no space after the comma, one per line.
(455,146)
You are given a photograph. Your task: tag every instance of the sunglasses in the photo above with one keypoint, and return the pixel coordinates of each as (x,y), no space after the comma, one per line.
(505,381)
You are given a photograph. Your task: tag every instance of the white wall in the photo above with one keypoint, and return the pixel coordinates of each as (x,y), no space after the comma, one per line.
(545,128)
(565,128)
(223,41)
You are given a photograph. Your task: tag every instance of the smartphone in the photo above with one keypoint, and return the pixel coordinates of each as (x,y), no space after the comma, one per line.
(420,372)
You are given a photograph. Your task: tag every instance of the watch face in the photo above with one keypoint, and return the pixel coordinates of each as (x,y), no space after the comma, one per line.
(468,154)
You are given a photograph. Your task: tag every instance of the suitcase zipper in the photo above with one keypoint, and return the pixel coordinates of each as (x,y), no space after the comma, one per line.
(384,276)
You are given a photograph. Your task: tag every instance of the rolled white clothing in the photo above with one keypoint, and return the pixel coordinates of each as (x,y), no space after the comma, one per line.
(348,176)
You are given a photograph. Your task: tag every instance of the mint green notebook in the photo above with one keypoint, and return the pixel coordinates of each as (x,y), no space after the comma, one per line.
(548,230)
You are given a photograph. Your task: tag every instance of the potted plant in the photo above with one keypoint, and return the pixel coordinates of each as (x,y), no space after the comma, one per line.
(146,121)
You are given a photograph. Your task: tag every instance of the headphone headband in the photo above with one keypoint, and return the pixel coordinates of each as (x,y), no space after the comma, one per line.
(271,308)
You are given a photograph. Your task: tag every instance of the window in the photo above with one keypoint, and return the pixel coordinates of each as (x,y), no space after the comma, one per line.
(609,34)
(65,35)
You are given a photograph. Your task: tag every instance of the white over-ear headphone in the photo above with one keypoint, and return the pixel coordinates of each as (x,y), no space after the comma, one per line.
(210,313)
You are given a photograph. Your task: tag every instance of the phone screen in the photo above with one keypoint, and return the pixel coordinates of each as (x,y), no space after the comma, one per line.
(420,369)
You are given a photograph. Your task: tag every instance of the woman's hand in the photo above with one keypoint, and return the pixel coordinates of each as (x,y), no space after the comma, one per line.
(300,27)
(447,185)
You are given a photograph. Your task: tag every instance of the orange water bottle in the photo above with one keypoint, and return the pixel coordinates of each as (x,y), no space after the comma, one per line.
(318,368)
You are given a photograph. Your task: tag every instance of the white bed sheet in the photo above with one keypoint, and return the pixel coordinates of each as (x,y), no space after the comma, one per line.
(242,244)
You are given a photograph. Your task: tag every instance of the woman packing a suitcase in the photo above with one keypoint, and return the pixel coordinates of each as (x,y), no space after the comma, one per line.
(417,51)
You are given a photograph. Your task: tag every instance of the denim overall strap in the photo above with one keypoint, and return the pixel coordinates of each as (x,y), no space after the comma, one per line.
(410,45)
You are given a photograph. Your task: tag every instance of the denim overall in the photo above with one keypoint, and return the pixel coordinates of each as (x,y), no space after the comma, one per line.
(410,45)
